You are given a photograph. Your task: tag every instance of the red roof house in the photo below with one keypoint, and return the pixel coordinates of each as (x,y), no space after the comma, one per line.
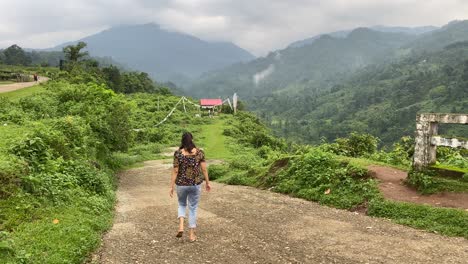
(208,103)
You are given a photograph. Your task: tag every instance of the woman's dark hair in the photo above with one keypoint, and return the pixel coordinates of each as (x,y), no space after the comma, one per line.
(187,142)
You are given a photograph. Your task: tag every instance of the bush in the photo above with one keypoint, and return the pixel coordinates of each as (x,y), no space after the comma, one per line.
(34,151)
(318,176)
(356,145)
(423,181)
(452,157)
(217,171)
(239,178)
(11,170)
(428,182)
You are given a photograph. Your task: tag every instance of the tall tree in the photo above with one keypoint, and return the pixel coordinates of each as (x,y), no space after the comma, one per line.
(15,55)
(73,52)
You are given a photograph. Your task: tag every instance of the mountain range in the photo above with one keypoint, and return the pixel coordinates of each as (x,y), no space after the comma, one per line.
(366,81)
(370,80)
(165,55)
(344,33)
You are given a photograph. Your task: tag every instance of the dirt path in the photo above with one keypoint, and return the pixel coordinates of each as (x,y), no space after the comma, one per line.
(392,187)
(16,86)
(246,225)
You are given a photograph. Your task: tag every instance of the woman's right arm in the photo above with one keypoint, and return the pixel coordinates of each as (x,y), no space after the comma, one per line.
(173,178)
(175,171)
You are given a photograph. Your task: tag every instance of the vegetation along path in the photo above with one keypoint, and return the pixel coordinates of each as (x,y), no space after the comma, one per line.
(392,187)
(240,224)
(20,85)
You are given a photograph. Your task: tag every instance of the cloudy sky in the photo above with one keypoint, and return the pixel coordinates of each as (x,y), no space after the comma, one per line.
(256,25)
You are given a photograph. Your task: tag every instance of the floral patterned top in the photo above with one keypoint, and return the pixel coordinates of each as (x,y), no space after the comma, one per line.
(189,168)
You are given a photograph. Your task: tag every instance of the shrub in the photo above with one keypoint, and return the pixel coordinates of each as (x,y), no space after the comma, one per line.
(11,170)
(34,151)
(356,145)
(239,178)
(217,171)
(318,176)
(428,182)
(423,181)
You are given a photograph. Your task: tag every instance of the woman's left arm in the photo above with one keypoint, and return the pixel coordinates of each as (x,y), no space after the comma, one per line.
(205,173)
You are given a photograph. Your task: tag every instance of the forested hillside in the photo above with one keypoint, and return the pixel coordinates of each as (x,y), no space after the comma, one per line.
(317,66)
(369,81)
(380,100)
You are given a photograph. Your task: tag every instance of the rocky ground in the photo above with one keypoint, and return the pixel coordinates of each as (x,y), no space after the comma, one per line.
(246,225)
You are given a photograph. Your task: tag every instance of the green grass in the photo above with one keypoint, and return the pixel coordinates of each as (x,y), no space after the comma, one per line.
(10,133)
(212,140)
(23,92)
(446,221)
(6,82)
(40,240)
(449,167)
(449,185)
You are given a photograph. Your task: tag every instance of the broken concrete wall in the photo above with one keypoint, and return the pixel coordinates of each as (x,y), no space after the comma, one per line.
(425,141)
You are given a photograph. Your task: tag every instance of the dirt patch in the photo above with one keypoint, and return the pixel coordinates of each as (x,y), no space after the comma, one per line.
(240,224)
(16,86)
(170,151)
(392,187)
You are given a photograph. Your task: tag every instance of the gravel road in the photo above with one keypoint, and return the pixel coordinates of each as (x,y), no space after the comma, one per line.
(246,225)
(16,86)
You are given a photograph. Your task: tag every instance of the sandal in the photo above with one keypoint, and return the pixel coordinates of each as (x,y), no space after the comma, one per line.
(180,233)
(193,240)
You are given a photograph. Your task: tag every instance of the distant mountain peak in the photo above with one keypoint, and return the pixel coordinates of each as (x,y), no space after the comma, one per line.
(363,30)
(164,54)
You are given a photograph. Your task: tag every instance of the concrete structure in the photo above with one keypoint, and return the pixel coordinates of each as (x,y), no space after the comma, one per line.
(427,139)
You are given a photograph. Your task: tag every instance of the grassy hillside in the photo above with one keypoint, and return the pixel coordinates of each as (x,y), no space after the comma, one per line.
(61,144)
(324,174)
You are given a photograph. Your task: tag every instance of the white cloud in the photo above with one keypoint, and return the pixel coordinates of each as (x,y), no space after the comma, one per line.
(260,76)
(256,25)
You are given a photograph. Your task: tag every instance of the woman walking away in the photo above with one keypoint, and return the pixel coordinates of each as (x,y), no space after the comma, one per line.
(189,165)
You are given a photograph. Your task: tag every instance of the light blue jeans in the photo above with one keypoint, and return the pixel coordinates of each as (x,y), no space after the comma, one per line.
(192,195)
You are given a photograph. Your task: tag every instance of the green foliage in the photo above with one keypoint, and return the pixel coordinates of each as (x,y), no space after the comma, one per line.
(428,182)
(400,155)
(11,169)
(318,176)
(217,171)
(424,181)
(368,82)
(73,52)
(452,157)
(356,145)
(36,239)
(58,151)
(249,131)
(451,222)
(15,55)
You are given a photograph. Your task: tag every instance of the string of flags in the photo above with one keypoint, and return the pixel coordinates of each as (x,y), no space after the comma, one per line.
(184,100)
